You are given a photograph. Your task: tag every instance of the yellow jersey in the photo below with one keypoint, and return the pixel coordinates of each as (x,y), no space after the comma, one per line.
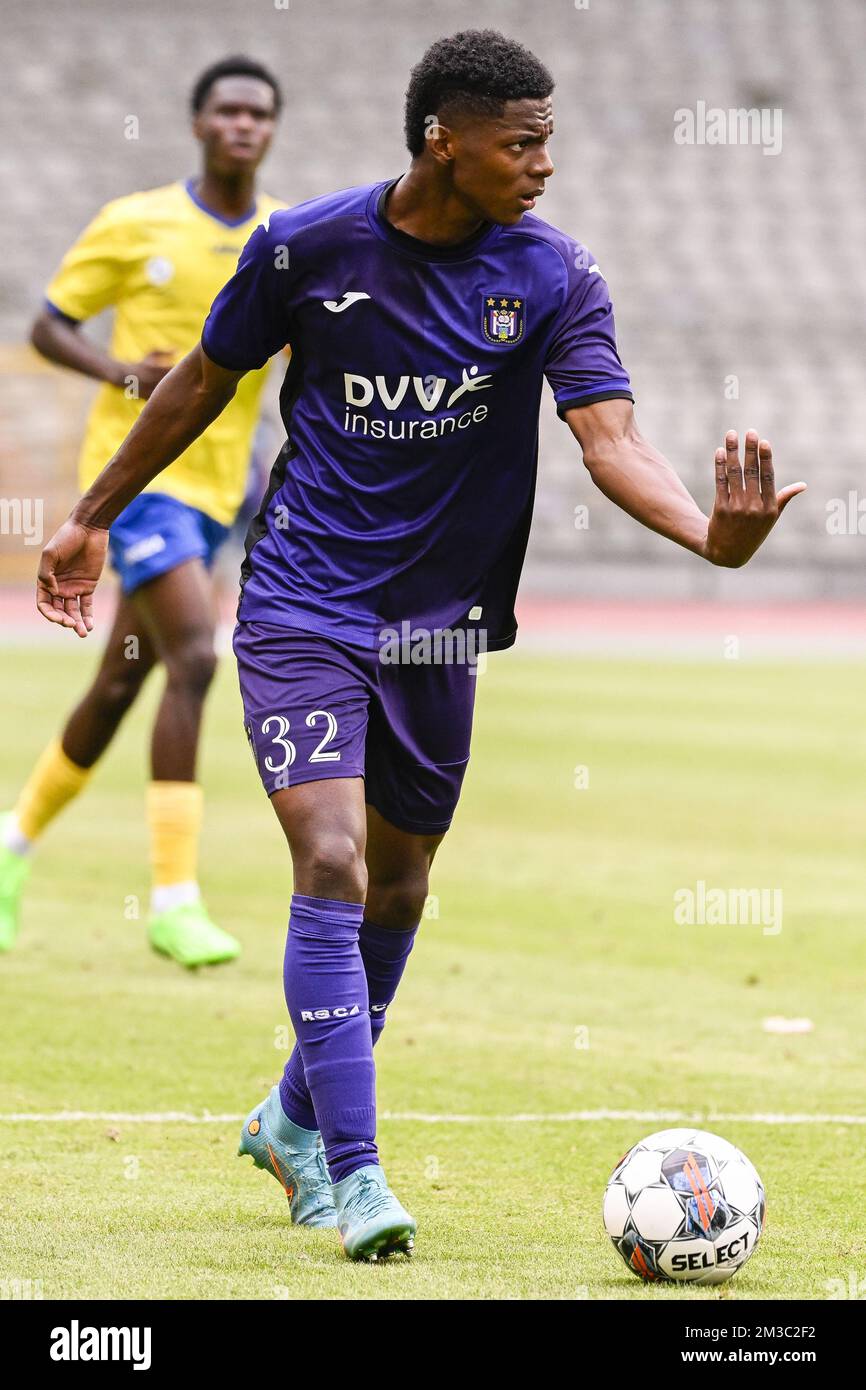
(159,259)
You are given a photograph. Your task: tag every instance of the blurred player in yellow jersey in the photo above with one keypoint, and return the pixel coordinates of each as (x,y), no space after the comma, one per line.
(158,259)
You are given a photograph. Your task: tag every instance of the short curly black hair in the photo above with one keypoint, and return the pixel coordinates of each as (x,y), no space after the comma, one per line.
(238,65)
(475,71)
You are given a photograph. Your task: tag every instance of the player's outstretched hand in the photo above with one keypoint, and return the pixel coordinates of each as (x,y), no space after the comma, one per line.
(747,505)
(69,569)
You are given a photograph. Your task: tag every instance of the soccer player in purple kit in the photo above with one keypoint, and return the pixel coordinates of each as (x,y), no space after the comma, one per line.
(423,313)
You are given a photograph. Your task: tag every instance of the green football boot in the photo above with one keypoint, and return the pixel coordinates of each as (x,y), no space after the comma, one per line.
(14,869)
(295,1157)
(371,1222)
(188,935)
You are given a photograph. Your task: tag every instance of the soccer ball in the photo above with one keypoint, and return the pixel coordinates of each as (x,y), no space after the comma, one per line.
(684,1205)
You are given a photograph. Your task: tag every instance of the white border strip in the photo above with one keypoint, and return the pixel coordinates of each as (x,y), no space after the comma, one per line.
(675,1117)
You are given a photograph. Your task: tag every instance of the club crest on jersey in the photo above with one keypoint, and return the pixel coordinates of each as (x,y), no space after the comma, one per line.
(503,317)
(159,270)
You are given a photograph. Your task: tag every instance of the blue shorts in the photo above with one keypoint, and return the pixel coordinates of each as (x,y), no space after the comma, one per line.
(315,708)
(155,534)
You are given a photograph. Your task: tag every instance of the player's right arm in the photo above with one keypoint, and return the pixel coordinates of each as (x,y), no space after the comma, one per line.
(247,325)
(61,340)
(184,403)
(93,276)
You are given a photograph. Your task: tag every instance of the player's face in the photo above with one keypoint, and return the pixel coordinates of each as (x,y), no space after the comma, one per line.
(236,124)
(501,163)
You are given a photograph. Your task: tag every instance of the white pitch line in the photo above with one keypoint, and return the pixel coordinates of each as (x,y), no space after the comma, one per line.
(644,1116)
(145,1117)
(167,1117)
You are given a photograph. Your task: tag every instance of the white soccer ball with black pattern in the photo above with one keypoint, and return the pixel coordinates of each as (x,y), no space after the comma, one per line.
(684,1205)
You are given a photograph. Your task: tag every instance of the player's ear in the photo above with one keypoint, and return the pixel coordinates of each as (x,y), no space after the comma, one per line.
(439,140)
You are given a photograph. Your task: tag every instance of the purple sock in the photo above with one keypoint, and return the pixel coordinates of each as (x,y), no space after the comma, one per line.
(326,994)
(384,953)
(295,1095)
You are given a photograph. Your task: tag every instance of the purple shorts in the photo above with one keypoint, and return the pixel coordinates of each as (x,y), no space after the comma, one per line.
(316,708)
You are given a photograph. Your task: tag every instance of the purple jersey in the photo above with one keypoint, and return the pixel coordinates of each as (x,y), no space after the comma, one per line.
(405,489)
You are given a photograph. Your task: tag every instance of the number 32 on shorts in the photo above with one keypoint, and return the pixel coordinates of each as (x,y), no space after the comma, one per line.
(276,728)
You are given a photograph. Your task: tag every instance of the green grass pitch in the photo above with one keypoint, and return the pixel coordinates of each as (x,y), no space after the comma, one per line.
(553,978)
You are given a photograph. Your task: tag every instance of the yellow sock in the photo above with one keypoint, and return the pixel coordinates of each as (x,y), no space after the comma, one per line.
(174,814)
(54,780)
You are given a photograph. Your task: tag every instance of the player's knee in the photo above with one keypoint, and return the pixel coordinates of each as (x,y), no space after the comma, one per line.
(116,690)
(192,665)
(398,904)
(333,867)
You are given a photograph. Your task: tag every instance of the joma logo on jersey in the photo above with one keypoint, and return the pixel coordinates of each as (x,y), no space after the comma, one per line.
(503,317)
(342,1011)
(429,390)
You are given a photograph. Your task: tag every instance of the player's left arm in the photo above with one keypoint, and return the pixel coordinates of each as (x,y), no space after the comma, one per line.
(634,475)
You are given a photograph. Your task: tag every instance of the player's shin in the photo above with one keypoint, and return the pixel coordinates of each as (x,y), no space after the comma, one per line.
(174,814)
(295,1095)
(179,925)
(54,781)
(326,994)
(384,953)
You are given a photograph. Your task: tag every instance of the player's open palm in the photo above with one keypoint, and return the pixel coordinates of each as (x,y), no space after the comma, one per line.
(69,570)
(747,505)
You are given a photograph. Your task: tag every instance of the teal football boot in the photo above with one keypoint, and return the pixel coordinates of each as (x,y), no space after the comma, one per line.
(371,1222)
(295,1157)
(14,869)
